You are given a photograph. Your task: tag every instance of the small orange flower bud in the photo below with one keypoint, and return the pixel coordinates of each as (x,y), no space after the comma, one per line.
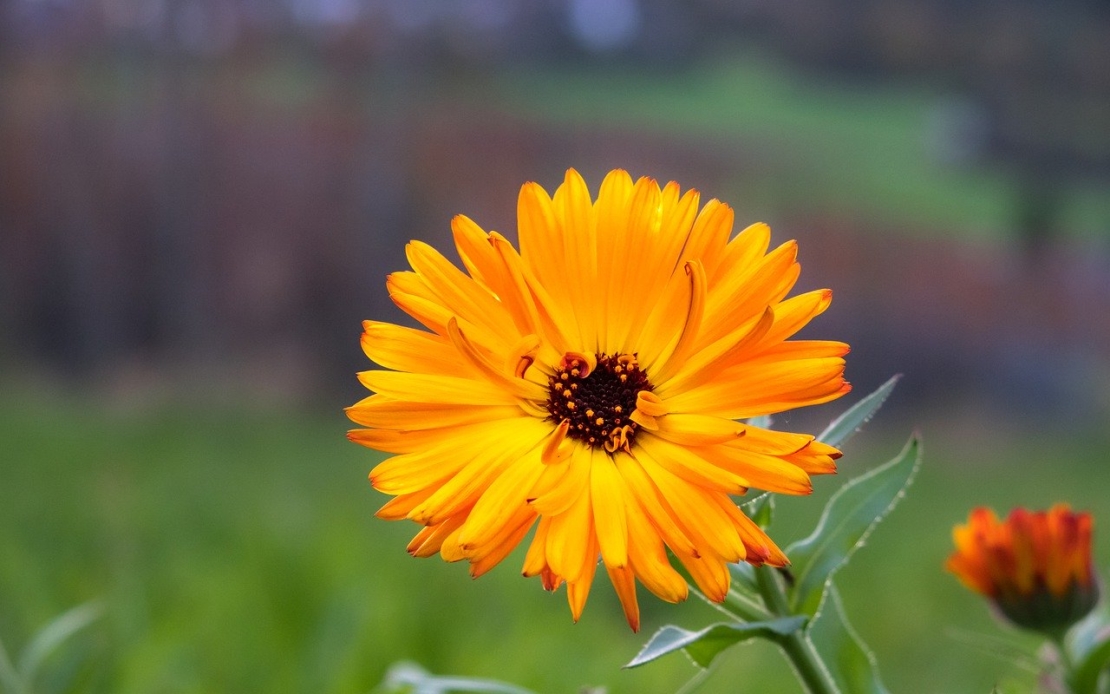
(1034,566)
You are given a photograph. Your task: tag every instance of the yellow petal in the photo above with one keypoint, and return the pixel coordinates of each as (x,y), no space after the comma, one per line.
(535,561)
(427,388)
(668,361)
(571,544)
(745,250)
(709,235)
(709,361)
(755,389)
(482,467)
(476,252)
(607,495)
(648,558)
(684,463)
(740,296)
(579,589)
(507,382)
(561,485)
(816,458)
(630,281)
(575,290)
(429,540)
(458,292)
(651,501)
(624,581)
(387,413)
(651,404)
(694,511)
(760,471)
(503,499)
(484,557)
(412,441)
(794,314)
(400,506)
(407,349)
(411,472)
(450,549)
(760,548)
(697,429)
(710,575)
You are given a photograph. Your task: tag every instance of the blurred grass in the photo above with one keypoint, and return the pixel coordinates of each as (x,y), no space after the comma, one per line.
(236,550)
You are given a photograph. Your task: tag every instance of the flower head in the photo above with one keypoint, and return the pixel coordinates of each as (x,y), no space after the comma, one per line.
(589,386)
(1034,566)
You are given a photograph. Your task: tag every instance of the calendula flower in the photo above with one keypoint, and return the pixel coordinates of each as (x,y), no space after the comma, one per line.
(1034,566)
(589,386)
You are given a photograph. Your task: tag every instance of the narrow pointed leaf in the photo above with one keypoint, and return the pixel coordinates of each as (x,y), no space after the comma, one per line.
(848,518)
(51,636)
(1085,679)
(846,425)
(851,663)
(703,646)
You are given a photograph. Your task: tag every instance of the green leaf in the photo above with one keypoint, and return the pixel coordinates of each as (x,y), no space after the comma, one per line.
(51,636)
(703,646)
(848,518)
(410,678)
(850,662)
(847,424)
(1090,653)
(1088,650)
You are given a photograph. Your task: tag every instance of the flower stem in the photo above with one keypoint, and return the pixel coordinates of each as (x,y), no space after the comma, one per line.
(797,647)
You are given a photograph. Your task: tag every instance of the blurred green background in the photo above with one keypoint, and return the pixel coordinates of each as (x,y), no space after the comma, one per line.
(199,200)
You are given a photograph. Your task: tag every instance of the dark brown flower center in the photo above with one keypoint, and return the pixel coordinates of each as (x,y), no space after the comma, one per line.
(597,403)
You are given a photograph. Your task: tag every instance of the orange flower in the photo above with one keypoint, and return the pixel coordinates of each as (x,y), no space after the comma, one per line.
(1035,566)
(589,386)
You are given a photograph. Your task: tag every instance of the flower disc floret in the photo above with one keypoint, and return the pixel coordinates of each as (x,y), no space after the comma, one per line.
(597,399)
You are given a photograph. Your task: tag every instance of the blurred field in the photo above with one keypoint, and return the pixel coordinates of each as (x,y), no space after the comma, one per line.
(193,224)
(236,551)
(813,143)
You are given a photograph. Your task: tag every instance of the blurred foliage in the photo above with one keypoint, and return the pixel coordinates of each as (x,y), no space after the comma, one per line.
(236,550)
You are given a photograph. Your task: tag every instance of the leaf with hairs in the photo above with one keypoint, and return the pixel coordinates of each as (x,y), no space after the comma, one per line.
(846,425)
(850,661)
(849,517)
(703,646)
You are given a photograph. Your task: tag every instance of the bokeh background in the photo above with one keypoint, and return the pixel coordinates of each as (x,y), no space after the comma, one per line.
(199,201)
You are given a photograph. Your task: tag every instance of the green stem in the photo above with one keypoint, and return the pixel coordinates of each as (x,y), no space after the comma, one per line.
(799,650)
(1067,668)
